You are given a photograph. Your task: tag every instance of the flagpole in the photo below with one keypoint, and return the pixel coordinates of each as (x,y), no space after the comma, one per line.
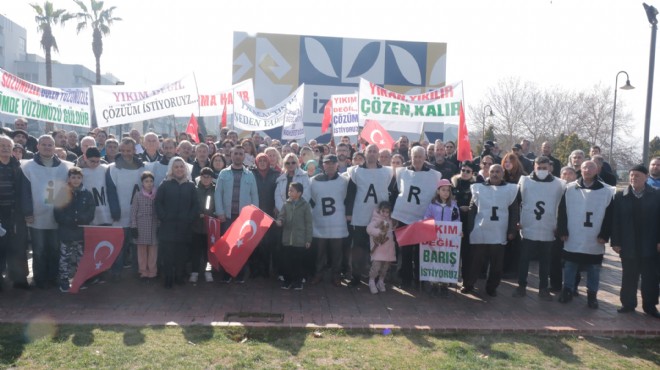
(233,102)
(199,109)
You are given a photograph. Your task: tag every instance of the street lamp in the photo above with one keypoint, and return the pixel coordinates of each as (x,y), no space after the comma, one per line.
(627,86)
(483,125)
(651,13)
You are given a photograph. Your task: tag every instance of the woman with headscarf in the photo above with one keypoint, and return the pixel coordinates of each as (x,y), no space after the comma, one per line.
(177,208)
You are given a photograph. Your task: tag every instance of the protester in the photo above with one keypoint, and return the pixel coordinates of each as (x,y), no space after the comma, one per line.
(11,254)
(218,163)
(144,225)
(295,219)
(654,173)
(381,233)
(266,178)
(205,190)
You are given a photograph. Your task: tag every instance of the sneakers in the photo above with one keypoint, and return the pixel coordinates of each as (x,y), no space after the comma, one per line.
(226,280)
(193,277)
(544,294)
(285,285)
(372,286)
(380,285)
(467,289)
(208,276)
(64,287)
(565,296)
(298,286)
(520,292)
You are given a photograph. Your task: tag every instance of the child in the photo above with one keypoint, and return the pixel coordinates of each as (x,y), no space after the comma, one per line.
(205,188)
(74,206)
(443,207)
(382,246)
(143,227)
(295,218)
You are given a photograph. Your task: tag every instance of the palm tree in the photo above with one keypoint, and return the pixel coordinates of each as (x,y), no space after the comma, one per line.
(99,20)
(47,17)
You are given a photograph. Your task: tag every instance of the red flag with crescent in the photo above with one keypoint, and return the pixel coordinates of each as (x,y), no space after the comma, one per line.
(213,235)
(327,116)
(418,232)
(374,133)
(193,128)
(463,149)
(223,119)
(237,244)
(102,246)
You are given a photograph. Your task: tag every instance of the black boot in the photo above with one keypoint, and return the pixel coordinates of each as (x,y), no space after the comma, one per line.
(592,302)
(565,296)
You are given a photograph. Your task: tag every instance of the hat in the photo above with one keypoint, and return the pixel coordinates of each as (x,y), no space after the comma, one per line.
(516,146)
(489,143)
(19,146)
(18,131)
(640,168)
(443,182)
(330,158)
(93,152)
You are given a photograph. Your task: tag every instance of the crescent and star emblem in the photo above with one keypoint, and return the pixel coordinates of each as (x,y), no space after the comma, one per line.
(379,134)
(98,247)
(252,225)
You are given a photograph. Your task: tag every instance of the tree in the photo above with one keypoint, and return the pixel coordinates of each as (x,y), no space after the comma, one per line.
(99,20)
(654,148)
(568,143)
(46,18)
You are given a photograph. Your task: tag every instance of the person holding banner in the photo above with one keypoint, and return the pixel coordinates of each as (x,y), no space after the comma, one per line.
(416,187)
(144,227)
(492,222)
(42,179)
(74,206)
(177,208)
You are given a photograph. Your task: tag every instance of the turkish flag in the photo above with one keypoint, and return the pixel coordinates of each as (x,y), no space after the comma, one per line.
(237,244)
(102,246)
(213,234)
(374,133)
(418,232)
(223,119)
(327,116)
(463,149)
(193,128)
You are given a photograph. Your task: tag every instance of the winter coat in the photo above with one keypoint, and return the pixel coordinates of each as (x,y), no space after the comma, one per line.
(266,187)
(296,223)
(177,208)
(281,190)
(143,218)
(636,241)
(385,250)
(73,208)
(203,195)
(442,212)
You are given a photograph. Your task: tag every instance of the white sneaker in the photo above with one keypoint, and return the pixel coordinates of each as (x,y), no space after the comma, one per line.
(381,286)
(372,286)
(193,277)
(208,276)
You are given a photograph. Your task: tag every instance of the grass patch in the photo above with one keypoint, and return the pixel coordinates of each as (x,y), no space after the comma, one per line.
(44,346)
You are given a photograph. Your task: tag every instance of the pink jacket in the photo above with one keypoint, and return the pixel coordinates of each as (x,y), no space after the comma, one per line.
(384,251)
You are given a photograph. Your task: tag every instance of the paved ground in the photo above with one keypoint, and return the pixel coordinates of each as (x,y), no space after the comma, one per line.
(133,302)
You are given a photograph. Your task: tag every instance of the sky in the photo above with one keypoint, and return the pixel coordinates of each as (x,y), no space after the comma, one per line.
(568,44)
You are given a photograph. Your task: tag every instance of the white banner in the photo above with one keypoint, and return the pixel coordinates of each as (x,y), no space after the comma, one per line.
(288,114)
(440,105)
(119,104)
(345,118)
(439,259)
(68,106)
(213,104)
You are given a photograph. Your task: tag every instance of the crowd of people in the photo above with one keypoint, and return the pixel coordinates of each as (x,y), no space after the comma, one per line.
(335,207)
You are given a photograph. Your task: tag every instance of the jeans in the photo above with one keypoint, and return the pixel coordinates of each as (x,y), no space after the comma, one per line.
(593,275)
(544,249)
(45,255)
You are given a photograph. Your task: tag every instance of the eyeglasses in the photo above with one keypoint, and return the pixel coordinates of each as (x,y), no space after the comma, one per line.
(466,171)
(290,163)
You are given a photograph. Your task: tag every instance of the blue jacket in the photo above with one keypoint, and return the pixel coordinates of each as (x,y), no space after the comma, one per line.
(224,190)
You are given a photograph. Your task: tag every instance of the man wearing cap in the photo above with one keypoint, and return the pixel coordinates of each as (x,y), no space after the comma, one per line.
(539,195)
(31,141)
(488,146)
(415,186)
(636,238)
(492,220)
(367,187)
(527,164)
(329,216)
(18,151)
(21,137)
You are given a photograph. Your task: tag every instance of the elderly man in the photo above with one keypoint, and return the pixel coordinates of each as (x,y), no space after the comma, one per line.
(151,146)
(416,187)
(385,157)
(111,150)
(42,179)
(603,175)
(72,143)
(492,219)
(575,160)
(135,135)
(441,164)
(584,224)
(86,143)
(185,151)
(636,238)
(31,141)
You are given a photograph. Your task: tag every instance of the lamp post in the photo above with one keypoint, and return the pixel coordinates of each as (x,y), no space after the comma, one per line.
(627,86)
(651,13)
(483,125)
